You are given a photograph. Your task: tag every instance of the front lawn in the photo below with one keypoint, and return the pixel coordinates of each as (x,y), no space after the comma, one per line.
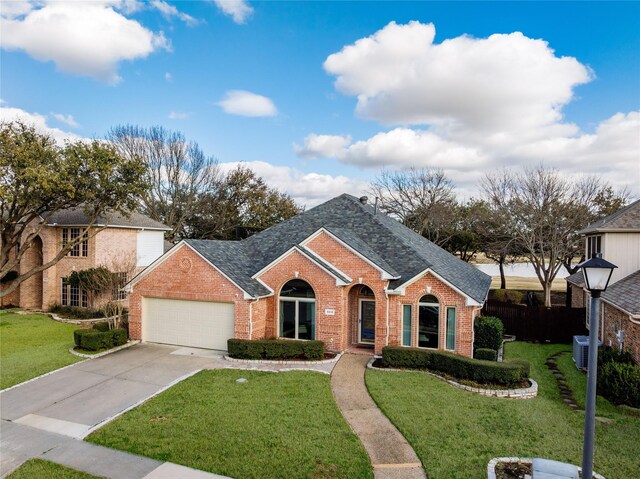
(40,468)
(31,345)
(276,425)
(455,433)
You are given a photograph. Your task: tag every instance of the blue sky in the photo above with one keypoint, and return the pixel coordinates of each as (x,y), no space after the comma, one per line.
(473,98)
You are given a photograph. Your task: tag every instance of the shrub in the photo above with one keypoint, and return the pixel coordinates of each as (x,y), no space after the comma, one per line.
(486,354)
(93,339)
(72,312)
(484,372)
(609,355)
(508,296)
(488,332)
(102,326)
(620,383)
(275,349)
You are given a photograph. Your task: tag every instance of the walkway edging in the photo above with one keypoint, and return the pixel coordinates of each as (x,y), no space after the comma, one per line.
(518,393)
(128,344)
(491,467)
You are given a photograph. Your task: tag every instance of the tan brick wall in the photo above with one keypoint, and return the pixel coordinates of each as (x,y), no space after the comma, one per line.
(622,322)
(577,296)
(199,281)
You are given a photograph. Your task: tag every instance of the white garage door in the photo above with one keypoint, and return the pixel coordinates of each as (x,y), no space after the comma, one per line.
(198,324)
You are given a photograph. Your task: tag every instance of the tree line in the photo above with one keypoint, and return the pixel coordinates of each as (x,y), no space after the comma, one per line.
(533,214)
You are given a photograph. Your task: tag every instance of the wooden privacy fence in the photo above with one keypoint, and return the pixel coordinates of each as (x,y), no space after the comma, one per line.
(557,324)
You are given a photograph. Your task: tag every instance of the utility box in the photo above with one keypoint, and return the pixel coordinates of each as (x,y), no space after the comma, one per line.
(581,351)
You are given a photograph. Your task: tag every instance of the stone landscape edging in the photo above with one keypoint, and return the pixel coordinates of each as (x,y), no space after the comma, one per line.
(126,345)
(491,467)
(517,393)
(271,361)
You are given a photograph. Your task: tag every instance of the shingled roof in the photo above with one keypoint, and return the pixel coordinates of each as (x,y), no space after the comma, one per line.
(626,219)
(384,241)
(625,294)
(77,217)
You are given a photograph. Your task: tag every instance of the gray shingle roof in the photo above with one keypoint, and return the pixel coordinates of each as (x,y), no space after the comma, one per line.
(625,294)
(77,217)
(231,259)
(383,240)
(576,278)
(625,219)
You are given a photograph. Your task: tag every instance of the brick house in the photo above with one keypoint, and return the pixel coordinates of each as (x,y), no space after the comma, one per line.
(341,273)
(128,243)
(617,237)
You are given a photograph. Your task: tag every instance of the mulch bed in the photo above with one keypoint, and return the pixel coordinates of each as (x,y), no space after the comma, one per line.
(512,470)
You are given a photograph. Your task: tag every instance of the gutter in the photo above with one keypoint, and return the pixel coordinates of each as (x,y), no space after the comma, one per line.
(386,294)
(251,317)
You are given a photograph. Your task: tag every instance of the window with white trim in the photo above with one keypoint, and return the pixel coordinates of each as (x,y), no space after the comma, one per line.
(428,322)
(80,249)
(407,324)
(594,245)
(451,329)
(297,310)
(72,295)
(118,291)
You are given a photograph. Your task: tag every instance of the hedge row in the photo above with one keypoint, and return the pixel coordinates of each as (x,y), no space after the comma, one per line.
(460,367)
(98,338)
(488,332)
(275,349)
(486,354)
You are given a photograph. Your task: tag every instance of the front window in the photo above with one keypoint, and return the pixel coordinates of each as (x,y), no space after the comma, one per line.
(451,329)
(118,292)
(406,324)
(297,310)
(79,249)
(428,322)
(594,245)
(72,295)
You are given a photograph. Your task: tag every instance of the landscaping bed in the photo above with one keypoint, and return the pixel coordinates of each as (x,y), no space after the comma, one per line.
(273,425)
(456,434)
(32,345)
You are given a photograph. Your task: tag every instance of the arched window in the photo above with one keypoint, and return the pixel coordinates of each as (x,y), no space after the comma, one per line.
(297,310)
(428,322)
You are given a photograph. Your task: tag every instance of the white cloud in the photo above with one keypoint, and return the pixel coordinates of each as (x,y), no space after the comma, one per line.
(321,146)
(38,121)
(66,119)
(308,189)
(84,38)
(178,115)
(245,103)
(168,77)
(503,83)
(239,10)
(170,11)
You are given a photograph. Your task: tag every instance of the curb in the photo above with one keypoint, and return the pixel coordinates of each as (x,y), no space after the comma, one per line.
(518,393)
(128,344)
(491,467)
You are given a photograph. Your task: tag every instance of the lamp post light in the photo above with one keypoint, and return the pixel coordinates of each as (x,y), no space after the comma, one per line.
(597,273)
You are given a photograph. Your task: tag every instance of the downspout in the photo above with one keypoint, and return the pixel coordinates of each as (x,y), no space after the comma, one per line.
(386,294)
(251,317)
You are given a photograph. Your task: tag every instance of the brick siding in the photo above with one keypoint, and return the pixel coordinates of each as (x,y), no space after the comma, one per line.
(622,322)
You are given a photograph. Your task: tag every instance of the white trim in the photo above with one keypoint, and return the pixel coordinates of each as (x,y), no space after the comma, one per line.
(383,273)
(101,225)
(360,301)
(631,315)
(402,288)
(339,281)
(334,267)
(297,301)
(455,327)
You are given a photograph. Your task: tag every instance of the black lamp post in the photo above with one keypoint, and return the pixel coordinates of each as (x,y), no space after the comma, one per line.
(597,273)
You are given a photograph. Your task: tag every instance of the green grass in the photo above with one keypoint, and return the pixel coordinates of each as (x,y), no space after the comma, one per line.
(31,345)
(40,468)
(276,425)
(455,433)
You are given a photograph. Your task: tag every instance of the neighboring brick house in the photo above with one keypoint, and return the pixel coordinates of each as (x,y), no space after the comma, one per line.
(617,237)
(130,243)
(341,272)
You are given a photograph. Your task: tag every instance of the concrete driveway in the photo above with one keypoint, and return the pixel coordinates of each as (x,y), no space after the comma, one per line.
(46,417)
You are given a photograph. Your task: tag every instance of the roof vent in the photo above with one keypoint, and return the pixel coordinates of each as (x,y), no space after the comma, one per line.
(363,200)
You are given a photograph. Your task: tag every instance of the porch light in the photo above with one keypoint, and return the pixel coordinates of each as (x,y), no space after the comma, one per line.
(597,273)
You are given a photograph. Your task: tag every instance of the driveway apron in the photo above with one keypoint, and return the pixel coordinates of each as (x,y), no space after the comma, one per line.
(391,455)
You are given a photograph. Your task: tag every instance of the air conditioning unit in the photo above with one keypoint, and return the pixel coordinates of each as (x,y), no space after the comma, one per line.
(581,351)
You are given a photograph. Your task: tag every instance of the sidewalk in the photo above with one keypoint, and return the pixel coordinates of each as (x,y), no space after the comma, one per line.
(391,455)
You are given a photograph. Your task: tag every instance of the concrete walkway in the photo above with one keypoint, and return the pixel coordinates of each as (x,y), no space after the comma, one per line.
(391,455)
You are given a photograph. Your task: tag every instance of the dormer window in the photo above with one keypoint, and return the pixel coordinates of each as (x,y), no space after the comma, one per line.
(79,249)
(594,245)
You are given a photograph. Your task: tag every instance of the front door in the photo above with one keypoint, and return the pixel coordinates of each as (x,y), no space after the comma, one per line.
(367,320)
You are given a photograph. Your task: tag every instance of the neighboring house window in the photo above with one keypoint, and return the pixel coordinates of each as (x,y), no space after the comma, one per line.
(118,292)
(406,324)
(428,322)
(72,295)
(297,310)
(79,249)
(594,245)
(451,329)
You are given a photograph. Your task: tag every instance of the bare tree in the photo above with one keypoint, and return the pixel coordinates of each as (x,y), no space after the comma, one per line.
(542,211)
(423,199)
(177,171)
